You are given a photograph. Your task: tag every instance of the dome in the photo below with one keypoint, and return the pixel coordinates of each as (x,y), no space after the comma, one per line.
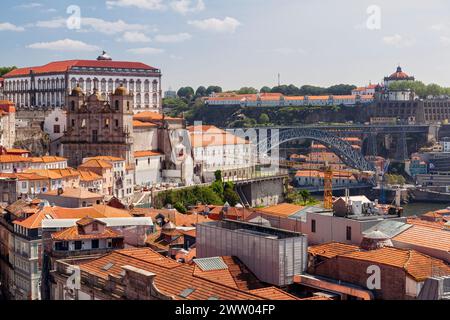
(121,91)
(375,240)
(77,91)
(399,74)
(104,56)
(95,96)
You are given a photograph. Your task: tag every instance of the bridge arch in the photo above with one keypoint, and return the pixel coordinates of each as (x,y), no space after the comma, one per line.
(341,148)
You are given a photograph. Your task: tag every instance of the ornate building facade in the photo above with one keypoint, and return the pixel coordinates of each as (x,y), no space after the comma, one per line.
(49,85)
(96,126)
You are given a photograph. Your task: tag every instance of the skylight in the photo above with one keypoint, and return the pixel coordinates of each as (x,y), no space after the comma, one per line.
(186,293)
(108,266)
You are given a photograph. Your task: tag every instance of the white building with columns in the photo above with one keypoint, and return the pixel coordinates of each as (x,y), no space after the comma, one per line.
(49,85)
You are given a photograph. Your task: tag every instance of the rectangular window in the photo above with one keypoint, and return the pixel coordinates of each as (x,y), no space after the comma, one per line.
(349,233)
(56,128)
(95,244)
(313,226)
(78,245)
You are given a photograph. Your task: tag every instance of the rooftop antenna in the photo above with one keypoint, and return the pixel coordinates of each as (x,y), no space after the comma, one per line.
(279,79)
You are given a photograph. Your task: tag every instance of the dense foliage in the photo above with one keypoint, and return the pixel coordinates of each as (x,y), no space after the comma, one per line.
(216,194)
(5,70)
(421,89)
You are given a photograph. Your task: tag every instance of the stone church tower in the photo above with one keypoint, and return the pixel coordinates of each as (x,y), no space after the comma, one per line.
(98,127)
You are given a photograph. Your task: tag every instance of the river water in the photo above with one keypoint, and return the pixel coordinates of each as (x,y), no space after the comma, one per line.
(419,208)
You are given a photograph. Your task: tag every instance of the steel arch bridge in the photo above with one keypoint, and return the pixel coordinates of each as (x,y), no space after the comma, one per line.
(341,148)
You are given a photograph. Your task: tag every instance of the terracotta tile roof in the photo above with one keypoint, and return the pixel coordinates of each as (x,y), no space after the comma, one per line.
(273,293)
(110,212)
(172,278)
(213,136)
(32,222)
(67,173)
(88,176)
(96,163)
(47,159)
(140,124)
(415,264)
(7,158)
(149,116)
(283,209)
(63,66)
(97,211)
(142,154)
(77,233)
(426,237)
(17,151)
(49,174)
(331,250)
(430,224)
(23,176)
(74,193)
(106,158)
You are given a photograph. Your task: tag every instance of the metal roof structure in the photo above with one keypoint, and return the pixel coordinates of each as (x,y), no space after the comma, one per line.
(210,264)
(389,227)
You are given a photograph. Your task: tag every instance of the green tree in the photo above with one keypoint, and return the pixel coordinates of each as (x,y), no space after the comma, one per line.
(186,92)
(305,195)
(180,207)
(247,90)
(213,89)
(265,89)
(5,70)
(264,119)
(201,92)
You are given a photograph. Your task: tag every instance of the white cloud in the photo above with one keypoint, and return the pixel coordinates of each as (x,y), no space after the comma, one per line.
(439,27)
(289,51)
(445,40)
(64,45)
(141,4)
(227,25)
(52,24)
(173,38)
(31,5)
(398,41)
(134,37)
(6,26)
(146,51)
(97,25)
(187,6)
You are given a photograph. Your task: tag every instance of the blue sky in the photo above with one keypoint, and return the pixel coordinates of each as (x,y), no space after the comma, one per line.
(235,43)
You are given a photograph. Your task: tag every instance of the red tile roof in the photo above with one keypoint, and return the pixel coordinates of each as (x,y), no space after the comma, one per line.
(63,66)
(141,154)
(74,233)
(417,265)
(331,250)
(427,237)
(172,278)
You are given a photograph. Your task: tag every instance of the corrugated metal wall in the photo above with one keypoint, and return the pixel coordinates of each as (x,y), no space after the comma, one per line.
(274,261)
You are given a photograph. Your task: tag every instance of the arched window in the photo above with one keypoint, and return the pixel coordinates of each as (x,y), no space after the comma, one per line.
(72,105)
(117,105)
(147,86)
(155,86)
